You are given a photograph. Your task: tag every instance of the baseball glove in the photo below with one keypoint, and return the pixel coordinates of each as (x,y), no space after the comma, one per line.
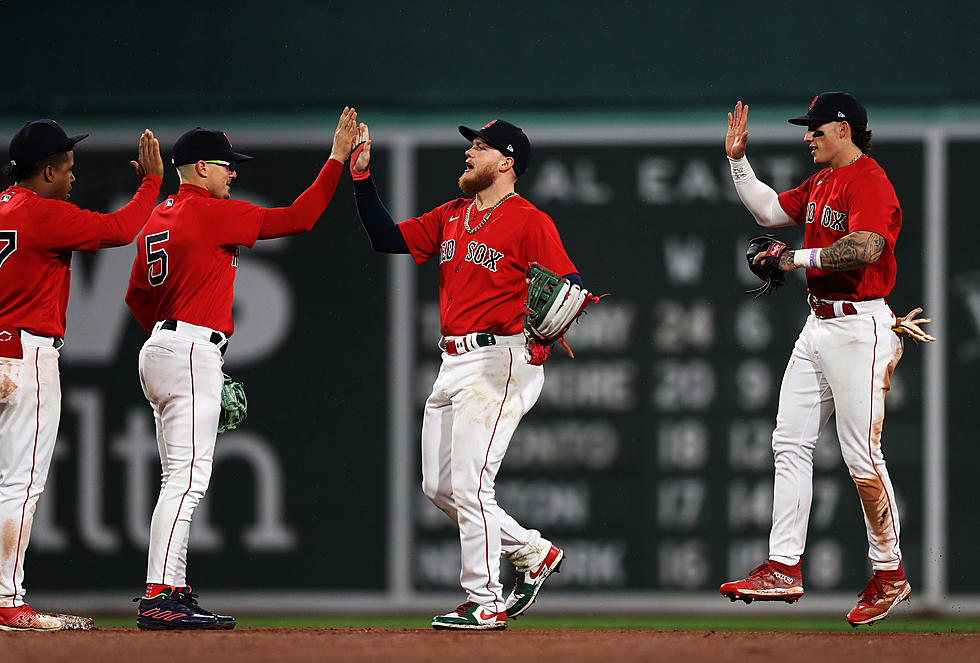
(552,305)
(908,325)
(766,269)
(234,405)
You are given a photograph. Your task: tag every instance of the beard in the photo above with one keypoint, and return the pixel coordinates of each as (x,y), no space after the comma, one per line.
(475,181)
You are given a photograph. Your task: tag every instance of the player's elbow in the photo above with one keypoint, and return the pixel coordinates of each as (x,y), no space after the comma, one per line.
(132,296)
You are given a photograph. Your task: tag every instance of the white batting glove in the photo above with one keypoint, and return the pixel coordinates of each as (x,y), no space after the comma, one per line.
(908,325)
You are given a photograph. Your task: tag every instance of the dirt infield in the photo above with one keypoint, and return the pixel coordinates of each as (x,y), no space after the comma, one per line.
(540,645)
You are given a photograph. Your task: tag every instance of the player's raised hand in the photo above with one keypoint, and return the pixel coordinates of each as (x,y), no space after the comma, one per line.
(150,162)
(362,151)
(737,136)
(343,137)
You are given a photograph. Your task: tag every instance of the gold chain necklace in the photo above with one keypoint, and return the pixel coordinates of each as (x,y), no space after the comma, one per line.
(469,210)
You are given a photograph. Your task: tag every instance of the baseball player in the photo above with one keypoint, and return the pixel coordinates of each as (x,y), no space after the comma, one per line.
(39,229)
(181,291)
(845,355)
(487,380)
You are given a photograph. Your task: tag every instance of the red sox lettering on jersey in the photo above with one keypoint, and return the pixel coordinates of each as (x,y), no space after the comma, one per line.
(482,255)
(483,289)
(858,197)
(829,218)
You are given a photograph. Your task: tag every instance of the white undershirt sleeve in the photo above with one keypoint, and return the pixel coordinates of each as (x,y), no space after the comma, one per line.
(759,198)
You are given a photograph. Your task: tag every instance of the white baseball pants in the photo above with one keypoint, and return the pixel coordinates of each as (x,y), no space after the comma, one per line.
(476,403)
(843,364)
(28,429)
(181,376)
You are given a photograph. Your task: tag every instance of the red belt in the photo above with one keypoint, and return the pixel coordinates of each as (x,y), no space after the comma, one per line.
(826,310)
(469,342)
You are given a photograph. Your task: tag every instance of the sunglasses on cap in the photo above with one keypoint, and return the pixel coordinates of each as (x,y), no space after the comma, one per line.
(230,165)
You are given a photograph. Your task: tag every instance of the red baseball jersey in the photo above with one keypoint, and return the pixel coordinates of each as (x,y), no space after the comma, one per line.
(37,237)
(482,283)
(187,254)
(834,203)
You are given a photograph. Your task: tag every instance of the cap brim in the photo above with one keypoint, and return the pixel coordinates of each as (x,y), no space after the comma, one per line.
(73,140)
(469,134)
(236,157)
(804,120)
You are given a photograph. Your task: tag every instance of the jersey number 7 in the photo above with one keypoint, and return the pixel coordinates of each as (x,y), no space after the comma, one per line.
(157,261)
(10,239)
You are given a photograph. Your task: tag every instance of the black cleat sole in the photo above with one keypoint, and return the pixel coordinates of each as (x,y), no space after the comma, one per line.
(171,627)
(748,599)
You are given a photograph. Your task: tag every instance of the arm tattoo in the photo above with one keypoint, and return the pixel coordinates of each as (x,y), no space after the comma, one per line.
(786,260)
(859,249)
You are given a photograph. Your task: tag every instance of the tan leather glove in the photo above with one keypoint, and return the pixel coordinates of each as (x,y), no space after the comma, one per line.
(908,325)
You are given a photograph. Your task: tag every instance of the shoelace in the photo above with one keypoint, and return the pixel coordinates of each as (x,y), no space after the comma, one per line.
(190,600)
(462,610)
(161,595)
(759,570)
(874,590)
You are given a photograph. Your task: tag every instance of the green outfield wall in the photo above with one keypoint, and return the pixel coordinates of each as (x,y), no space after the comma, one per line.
(71,59)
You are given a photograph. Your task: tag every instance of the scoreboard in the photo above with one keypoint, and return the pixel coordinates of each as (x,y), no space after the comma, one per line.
(648,455)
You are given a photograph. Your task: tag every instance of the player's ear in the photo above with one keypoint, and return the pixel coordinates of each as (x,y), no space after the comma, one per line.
(506,164)
(48,172)
(201,169)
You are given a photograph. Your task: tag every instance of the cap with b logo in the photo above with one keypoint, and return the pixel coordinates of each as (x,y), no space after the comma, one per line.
(39,139)
(505,138)
(834,107)
(205,145)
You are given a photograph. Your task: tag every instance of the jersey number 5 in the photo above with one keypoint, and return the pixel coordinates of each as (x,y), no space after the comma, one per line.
(157,262)
(9,238)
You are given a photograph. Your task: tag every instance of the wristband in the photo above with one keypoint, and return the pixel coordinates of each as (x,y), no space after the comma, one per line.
(809,258)
(741,170)
(358,174)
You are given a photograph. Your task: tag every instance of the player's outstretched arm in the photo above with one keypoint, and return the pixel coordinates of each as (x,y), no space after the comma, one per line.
(302,215)
(122,226)
(759,198)
(377,221)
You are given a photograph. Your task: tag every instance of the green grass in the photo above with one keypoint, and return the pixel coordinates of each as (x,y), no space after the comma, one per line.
(894,625)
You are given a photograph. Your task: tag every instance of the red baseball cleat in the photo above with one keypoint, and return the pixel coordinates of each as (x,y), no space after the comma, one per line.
(770,581)
(23,618)
(883,592)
